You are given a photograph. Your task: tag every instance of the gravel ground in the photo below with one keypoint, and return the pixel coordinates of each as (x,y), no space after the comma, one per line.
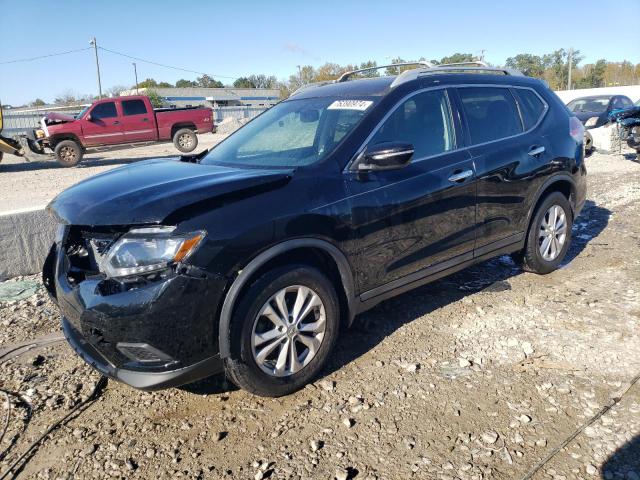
(484,374)
(34,184)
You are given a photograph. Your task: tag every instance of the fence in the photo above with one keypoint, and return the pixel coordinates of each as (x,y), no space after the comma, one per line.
(19,122)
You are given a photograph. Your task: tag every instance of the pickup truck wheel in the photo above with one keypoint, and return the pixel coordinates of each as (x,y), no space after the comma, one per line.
(68,153)
(185,140)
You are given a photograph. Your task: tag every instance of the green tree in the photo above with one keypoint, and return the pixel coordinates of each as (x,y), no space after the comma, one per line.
(155,99)
(148,83)
(164,85)
(243,82)
(593,75)
(182,83)
(263,81)
(370,73)
(557,71)
(458,58)
(531,65)
(206,81)
(38,102)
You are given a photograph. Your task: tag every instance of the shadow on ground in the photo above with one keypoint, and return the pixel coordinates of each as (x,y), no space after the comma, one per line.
(623,461)
(374,326)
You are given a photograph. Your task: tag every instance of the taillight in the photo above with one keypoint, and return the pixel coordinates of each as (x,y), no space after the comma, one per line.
(576,129)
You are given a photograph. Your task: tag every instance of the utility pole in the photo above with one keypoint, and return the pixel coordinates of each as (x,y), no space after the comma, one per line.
(299,74)
(570,58)
(94,44)
(482,54)
(135,72)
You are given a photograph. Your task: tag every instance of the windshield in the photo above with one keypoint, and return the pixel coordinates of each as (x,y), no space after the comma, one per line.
(292,133)
(597,105)
(82,112)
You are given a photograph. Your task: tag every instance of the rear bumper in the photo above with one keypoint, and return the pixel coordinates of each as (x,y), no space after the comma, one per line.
(147,381)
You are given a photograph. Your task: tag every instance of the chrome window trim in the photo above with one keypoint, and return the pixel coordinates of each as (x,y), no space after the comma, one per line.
(360,150)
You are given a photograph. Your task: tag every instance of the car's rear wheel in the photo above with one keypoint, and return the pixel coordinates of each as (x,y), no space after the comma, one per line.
(185,140)
(283,331)
(68,153)
(549,235)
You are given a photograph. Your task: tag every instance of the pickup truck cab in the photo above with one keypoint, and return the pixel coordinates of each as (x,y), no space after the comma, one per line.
(117,121)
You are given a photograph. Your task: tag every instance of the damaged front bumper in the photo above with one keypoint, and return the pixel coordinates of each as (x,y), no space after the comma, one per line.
(154,335)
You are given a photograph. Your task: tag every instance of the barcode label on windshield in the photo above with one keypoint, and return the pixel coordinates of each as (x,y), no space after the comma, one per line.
(350,105)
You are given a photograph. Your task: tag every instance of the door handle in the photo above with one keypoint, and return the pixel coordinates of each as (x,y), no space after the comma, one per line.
(145,119)
(461,176)
(116,123)
(535,151)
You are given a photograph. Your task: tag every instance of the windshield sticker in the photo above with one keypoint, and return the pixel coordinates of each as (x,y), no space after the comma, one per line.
(361,105)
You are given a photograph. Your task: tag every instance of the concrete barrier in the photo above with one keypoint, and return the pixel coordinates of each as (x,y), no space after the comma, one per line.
(25,239)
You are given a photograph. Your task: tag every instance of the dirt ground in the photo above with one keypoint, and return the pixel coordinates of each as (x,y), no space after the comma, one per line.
(489,374)
(34,184)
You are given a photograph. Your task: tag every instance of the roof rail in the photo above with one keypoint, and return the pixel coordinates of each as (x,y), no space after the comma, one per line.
(311,85)
(460,67)
(345,76)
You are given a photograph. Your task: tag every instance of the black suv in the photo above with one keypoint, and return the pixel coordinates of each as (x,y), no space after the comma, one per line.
(251,257)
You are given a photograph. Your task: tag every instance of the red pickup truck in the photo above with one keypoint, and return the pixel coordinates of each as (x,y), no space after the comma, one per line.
(117,121)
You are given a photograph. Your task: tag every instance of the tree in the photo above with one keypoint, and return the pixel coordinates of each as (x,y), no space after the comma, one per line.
(148,83)
(531,65)
(458,58)
(115,90)
(68,97)
(243,82)
(263,81)
(38,102)
(369,64)
(592,75)
(182,83)
(156,100)
(206,81)
(557,67)
(164,85)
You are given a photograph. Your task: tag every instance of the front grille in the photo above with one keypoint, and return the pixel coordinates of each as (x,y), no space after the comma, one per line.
(143,353)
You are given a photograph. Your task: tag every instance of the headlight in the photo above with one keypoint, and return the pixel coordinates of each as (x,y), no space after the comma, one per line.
(40,134)
(591,122)
(144,250)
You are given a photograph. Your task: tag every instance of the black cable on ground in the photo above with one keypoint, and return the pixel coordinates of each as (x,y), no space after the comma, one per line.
(22,461)
(612,403)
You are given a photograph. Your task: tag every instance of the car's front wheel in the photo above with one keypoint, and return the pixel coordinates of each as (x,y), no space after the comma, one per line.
(283,331)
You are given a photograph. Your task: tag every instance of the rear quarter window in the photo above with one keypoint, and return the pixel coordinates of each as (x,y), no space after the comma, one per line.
(531,107)
(133,107)
(491,113)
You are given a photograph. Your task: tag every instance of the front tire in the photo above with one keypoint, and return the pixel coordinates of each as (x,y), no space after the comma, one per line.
(185,140)
(68,153)
(283,331)
(549,235)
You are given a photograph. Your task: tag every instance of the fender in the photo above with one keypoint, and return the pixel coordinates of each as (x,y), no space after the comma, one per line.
(550,181)
(232,295)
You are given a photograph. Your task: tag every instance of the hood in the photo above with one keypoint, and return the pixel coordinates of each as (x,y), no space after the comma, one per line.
(148,192)
(584,116)
(55,117)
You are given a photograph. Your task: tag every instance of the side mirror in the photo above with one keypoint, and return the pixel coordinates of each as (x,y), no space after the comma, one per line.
(386,156)
(88,118)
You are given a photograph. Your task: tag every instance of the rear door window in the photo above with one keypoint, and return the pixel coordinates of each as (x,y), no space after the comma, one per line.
(531,107)
(423,121)
(104,110)
(491,113)
(133,107)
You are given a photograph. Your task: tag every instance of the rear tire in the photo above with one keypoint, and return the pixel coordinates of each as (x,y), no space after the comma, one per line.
(549,236)
(68,153)
(309,339)
(185,140)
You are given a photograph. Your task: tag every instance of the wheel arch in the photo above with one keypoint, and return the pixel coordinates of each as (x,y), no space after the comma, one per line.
(56,139)
(347,293)
(180,125)
(562,183)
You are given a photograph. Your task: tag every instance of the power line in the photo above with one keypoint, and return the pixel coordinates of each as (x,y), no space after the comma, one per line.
(164,65)
(44,56)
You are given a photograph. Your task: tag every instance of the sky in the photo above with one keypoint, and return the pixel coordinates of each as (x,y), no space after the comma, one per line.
(240,37)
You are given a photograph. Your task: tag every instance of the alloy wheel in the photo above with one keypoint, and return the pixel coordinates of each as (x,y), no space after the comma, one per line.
(288,331)
(553,233)
(184,140)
